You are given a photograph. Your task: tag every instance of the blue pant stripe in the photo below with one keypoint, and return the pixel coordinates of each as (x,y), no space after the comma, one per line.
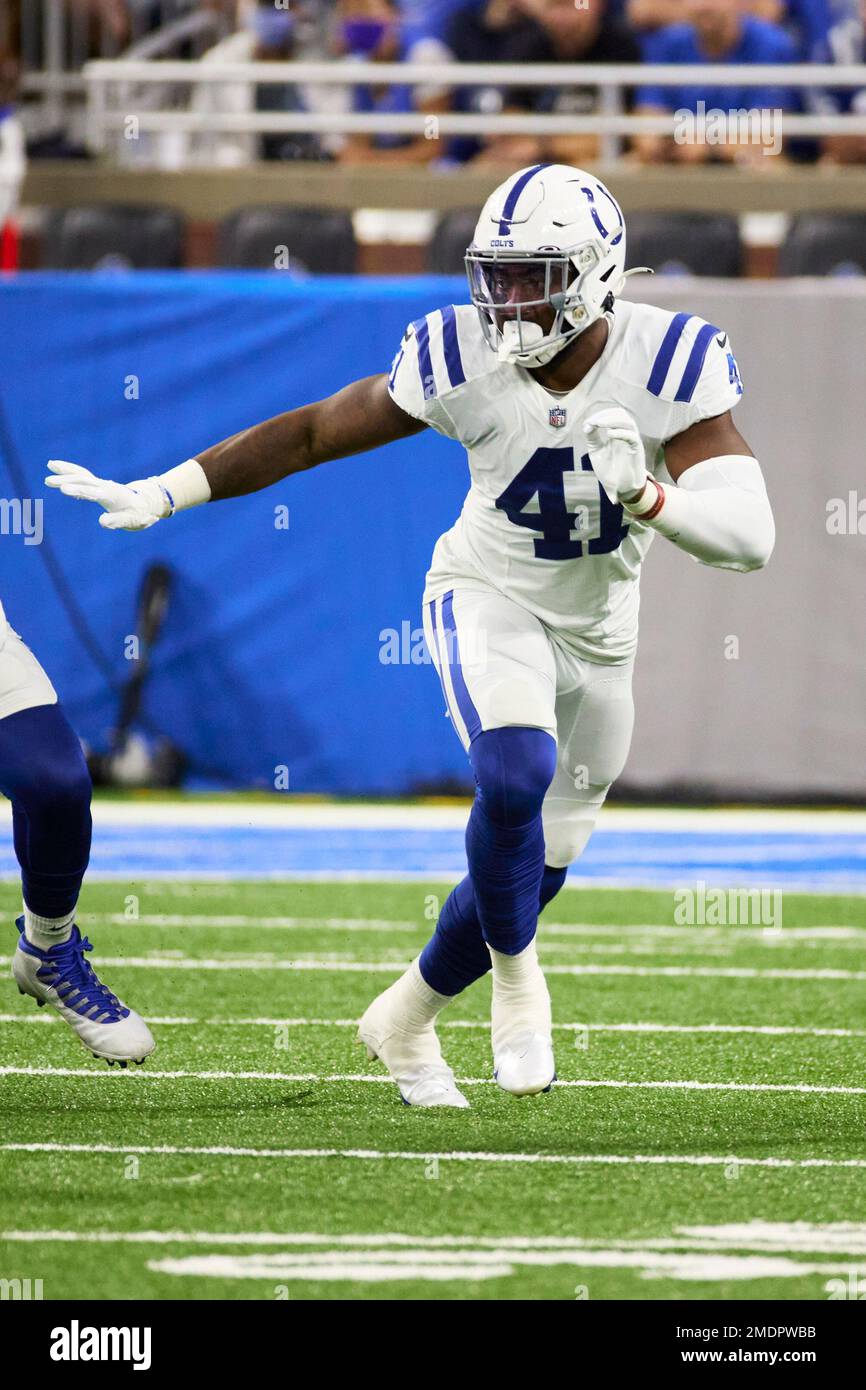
(468,712)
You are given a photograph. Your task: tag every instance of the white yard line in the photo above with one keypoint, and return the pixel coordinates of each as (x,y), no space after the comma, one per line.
(454,1155)
(727,934)
(482,1025)
(168,961)
(799,1088)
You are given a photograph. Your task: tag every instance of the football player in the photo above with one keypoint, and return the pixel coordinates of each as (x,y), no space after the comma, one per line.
(44,775)
(590,426)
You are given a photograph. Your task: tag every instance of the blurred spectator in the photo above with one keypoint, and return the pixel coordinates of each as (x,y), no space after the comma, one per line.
(718,31)
(846,43)
(653,14)
(432,18)
(372,30)
(806,21)
(594,35)
(267,34)
(571,35)
(498,31)
(12,157)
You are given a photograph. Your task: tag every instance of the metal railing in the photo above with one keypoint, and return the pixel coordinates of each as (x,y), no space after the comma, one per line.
(114,86)
(58,39)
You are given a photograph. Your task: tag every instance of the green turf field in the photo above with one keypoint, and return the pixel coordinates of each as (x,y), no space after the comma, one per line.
(217,1154)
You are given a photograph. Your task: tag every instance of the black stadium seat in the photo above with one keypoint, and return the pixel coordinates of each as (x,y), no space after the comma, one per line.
(320,240)
(685,243)
(453,233)
(825,243)
(108,235)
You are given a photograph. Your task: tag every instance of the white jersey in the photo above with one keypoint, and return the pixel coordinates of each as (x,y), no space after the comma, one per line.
(2,626)
(536,525)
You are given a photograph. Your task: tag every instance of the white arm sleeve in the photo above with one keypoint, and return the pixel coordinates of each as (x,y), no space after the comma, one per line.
(719,513)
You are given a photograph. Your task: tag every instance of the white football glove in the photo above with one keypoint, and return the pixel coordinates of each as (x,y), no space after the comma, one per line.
(128,506)
(617,452)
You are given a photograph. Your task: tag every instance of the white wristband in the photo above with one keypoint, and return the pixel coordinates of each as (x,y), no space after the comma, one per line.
(184,486)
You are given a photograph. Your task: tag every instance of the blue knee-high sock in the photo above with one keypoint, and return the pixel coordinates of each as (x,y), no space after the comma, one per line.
(44,775)
(456,954)
(504,838)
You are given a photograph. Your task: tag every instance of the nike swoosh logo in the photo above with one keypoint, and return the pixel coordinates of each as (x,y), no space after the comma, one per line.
(722,339)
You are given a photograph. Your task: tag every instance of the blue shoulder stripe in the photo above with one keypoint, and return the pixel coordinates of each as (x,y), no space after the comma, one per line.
(665,354)
(425,366)
(697,356)
(453,360)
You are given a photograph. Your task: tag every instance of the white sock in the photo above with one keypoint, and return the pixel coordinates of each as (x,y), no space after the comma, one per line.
(520,996)
(418,1003)
(512,972)
(45,932)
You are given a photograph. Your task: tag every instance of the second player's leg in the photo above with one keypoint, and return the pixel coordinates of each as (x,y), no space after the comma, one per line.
(595,718)
(45,776)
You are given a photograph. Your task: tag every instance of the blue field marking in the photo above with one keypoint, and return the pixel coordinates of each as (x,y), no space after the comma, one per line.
(793,860)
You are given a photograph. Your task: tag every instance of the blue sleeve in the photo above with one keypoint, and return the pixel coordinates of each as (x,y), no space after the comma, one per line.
(779,48)
(657,48)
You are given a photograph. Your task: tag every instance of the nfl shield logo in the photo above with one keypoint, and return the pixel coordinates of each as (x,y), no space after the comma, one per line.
(557,416)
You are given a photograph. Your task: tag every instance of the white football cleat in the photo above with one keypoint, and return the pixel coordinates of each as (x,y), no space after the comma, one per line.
(521,1025)
(412,1055)
(525,1065)
(62,978)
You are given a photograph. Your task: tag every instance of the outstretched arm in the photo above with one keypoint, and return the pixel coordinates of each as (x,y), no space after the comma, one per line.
(360,417)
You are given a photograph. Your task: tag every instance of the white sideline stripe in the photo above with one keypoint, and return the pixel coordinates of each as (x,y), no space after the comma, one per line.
(767,1030)
(729,934)
(282,813)
(378,967)
(851,887)
(386,1267)
(419,1156)
(800,1088)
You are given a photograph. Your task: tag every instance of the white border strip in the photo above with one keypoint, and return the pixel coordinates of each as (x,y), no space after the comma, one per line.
(295,814)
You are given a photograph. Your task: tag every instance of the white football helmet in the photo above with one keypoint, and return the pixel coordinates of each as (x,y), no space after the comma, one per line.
(550,235)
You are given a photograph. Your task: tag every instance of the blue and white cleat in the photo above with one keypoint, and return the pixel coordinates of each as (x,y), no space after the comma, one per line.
(62,978)
(412,1055)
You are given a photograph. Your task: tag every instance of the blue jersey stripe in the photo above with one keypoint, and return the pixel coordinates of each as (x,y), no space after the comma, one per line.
(453,360)
(425,366)
(665,354)
(511,200)
(467,709)
(697,356)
